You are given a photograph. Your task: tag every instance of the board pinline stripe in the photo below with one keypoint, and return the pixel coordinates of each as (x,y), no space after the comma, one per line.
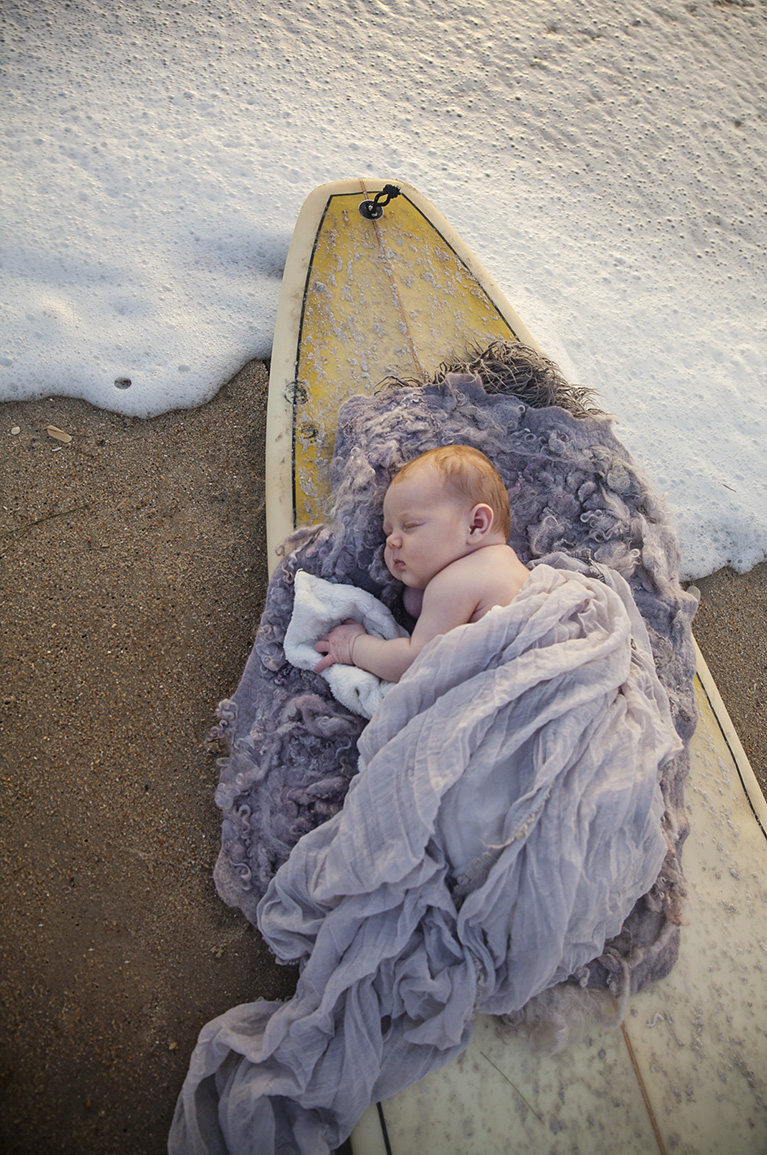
(643,1090)
(384,1131)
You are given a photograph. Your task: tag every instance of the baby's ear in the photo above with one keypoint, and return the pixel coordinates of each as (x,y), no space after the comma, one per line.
(480,521)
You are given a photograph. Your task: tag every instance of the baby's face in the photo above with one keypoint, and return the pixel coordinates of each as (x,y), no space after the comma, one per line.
(426,526)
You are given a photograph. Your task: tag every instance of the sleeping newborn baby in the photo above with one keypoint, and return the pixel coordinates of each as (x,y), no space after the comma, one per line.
(447,522)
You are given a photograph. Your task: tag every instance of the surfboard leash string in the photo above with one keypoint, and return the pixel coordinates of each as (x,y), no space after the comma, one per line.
(373,210)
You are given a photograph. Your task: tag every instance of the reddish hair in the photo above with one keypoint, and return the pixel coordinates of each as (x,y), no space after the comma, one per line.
(472,475)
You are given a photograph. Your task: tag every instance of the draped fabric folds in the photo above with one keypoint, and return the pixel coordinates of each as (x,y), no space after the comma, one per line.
(506,818)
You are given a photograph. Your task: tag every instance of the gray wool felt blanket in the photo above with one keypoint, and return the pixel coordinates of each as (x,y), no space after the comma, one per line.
(518,821)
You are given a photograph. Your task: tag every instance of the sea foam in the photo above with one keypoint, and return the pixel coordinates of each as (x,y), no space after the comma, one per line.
(606,165)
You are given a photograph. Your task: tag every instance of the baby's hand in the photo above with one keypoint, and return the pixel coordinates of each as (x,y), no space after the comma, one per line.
(338,645)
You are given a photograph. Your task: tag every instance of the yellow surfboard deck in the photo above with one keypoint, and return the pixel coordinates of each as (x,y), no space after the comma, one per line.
(356,306)
(364,299)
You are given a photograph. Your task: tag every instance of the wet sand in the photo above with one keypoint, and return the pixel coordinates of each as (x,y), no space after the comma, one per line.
(134,575)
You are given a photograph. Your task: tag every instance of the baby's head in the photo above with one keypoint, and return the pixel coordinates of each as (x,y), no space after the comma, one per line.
(466,473)
(439,507)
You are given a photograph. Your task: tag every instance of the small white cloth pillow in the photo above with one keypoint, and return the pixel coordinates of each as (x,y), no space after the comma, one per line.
(318,606)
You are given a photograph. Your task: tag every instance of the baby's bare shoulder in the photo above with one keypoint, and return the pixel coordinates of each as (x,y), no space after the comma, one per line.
(496,575)
(500,560)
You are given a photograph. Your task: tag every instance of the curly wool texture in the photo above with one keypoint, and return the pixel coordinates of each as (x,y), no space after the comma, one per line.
(574,488)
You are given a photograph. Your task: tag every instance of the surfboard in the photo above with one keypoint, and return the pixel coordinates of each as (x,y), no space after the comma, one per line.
(377,283)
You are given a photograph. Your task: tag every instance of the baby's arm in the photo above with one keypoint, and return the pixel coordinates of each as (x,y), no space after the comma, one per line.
(446,603)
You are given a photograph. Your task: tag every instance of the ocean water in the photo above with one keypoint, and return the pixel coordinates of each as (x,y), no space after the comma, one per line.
(605,162)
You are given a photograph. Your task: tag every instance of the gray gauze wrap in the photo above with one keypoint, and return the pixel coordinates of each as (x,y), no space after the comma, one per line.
(519,821)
